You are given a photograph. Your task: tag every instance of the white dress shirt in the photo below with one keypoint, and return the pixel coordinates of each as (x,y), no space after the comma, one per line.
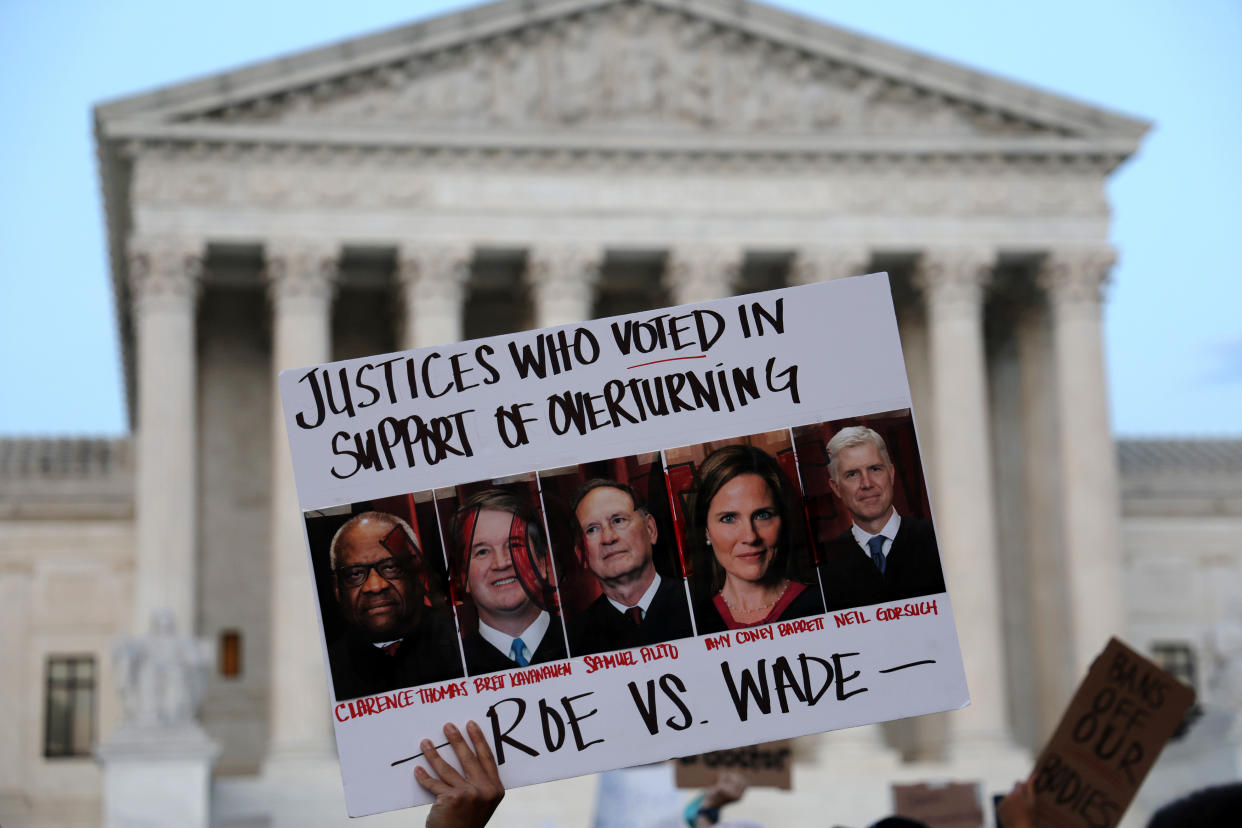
(889,531)
(643,602)
(531,636)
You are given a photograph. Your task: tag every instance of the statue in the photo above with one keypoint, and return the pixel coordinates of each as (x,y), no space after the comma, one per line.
(1225,642)
(157,762)
(161,676)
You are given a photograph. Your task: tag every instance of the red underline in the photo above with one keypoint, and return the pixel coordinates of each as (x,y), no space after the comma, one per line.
(670,359)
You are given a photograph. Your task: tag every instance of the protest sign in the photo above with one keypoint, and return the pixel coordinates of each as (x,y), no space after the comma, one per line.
(1114,728)
(769,765)
(470,565)
(952,805)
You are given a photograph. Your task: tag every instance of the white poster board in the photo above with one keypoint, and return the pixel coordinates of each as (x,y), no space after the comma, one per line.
(646,400)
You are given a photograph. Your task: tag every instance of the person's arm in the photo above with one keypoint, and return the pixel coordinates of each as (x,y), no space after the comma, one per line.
(729,788)
(461,801)
(1017,809)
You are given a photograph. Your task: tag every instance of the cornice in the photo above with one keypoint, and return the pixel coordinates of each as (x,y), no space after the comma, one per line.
(131,138)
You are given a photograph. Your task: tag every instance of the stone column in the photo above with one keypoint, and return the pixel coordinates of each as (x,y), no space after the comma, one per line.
(1074,281)
(696,274)
(433,279)
(953,282)
(563,281)
(164,278)
(855,747)
(1051,661)
(825,263)
(300,280)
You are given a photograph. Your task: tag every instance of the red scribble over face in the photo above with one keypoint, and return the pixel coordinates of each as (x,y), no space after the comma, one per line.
(375,585)
(492,580)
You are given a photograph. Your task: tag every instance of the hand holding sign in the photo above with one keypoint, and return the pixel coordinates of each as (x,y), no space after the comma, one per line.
(729,788)
(1017,809)
(462,801)
(1114,728)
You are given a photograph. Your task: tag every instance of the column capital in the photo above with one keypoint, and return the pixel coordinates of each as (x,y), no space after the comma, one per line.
(165,270)
(436,270)
(954,275)
(562,279)
(1079,276)
(574,268)
(823,263)
(300,268)
(701,272)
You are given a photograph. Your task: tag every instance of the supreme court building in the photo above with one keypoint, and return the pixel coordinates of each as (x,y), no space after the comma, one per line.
(539,162)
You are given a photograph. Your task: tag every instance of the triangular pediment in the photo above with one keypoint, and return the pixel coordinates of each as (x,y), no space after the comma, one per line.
(636,67)
(620,67)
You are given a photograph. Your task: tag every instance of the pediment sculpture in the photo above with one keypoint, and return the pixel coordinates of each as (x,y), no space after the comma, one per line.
(633,68)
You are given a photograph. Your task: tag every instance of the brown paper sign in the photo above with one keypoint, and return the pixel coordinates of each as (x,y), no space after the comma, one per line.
(1113,730)
(955,805)
(765,766)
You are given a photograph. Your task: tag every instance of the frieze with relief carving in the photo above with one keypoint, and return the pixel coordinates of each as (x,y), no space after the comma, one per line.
(630,67)
(395,181)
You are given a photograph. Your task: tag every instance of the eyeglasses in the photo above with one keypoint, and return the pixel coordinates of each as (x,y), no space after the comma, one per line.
(354,575)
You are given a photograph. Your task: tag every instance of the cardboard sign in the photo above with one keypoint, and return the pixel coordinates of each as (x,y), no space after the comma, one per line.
(954,805)
(769,765)
(1114,728)
(449,493)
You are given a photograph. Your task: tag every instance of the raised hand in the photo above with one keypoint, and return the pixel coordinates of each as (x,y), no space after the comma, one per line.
(462,801)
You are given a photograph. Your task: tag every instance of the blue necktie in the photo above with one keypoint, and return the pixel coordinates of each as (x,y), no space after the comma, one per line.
(518,652)
(877,551)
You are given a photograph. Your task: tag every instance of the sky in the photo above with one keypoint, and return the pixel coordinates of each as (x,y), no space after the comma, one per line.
(1173,335)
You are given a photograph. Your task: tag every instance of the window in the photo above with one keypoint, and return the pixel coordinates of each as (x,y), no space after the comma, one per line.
(70,718)
(1177,658)
(230,663)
